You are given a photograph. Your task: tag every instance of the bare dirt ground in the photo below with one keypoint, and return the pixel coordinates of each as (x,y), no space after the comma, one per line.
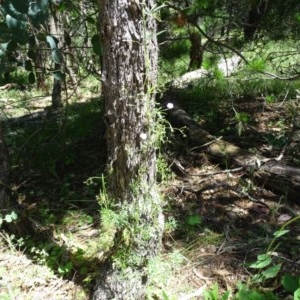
(237,215)
(224,218)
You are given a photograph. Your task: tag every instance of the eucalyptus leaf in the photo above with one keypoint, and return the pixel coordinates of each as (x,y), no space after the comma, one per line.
(19,36)
(3,46)
(4,33)
(31,78)
(52,42)
(14,23)
(31,54)
(38,12)
(20,5)
(10,9)
(58,75)
(96,44)
(56,56)
(11,46)
(28,65)
(44,5)
(2,53)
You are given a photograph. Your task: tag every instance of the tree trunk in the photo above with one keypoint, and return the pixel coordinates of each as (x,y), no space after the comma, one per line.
(128,37)
(4,173)
(57,31)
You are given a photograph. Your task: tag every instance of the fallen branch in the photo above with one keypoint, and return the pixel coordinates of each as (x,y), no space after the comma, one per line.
(273,173)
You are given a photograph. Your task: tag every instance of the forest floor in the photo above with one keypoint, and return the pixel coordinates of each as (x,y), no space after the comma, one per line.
(218,219)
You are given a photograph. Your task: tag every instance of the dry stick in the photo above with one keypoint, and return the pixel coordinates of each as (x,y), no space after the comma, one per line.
(285,96)
(220,172)
(207,144)
(224,185)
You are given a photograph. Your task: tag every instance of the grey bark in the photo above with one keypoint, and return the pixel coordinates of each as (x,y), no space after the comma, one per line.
(128,38)
(4,173)
(56,30)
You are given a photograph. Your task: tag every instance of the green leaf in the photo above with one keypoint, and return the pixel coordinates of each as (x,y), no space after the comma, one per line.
(4,33)
(28,65)
(11,217)
(56,57)
(96,44)
(263,260)
(290,282)
(91,20)
(38,12)
(272,271)
(10,9)
(257,65)
(225,295)
(11,46)
(31,54)
(20,36)
(257,278)
(13,23)
(297,294)
(194,220)
(20,5)
(44,5)
(245,294)
(66,268)
(58,75)
(31,78)
(14,215)
(52,42)
(67,38)
(2,53)
(3,46)
(280,232)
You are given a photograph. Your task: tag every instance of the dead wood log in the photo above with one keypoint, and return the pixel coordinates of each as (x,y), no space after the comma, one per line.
(274,174)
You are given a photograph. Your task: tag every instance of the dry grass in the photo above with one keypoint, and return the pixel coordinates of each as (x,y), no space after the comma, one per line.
(23,279)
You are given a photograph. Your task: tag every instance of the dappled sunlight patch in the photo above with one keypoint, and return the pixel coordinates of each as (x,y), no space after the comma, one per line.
(21,278)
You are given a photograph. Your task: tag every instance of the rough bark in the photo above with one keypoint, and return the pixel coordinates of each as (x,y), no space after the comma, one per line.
(57,31)
(274,174)
(4,172)
(196,51)
(128,38)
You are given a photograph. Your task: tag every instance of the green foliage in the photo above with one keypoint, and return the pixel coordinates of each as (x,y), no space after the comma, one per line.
(242,120)
(193,220)
(160,269)
(257,65)
(291,283)
(65,269)
(213,293)
(244,293)
(8,218)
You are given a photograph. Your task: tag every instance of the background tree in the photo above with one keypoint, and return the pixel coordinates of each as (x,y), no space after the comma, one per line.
(128,36)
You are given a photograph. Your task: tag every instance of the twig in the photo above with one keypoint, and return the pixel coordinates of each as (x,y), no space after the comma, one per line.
(285,96)
(243,193)
(219,172)
(207,144)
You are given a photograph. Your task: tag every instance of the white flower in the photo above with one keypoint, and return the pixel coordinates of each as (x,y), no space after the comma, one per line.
(170,105)
(143,136)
